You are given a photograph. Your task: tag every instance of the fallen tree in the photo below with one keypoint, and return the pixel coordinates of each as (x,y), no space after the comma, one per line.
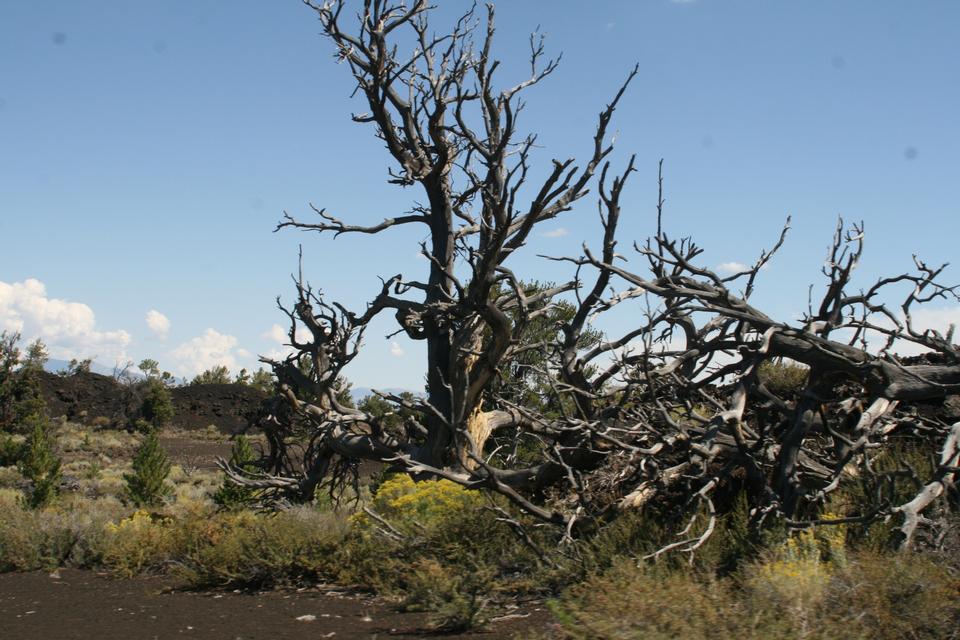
(679,408)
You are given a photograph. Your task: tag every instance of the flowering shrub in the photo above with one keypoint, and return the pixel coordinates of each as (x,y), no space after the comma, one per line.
(418,507)
(137,543)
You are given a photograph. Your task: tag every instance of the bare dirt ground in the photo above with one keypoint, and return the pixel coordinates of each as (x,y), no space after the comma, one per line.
(72,604)
(199,454)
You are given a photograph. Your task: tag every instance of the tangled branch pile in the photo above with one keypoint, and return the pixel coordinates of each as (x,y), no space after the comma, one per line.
(527,399)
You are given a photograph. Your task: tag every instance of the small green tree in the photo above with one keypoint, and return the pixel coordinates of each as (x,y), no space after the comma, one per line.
(39,464)
(9,360)
(149,367)
(77,367)
(20,396)
(262,380)
(231,495)
(157,407)
(36,357)
(147,485)
(391,416)
(214,375)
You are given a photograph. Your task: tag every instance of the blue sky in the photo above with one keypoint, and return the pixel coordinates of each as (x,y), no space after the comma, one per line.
(148,149)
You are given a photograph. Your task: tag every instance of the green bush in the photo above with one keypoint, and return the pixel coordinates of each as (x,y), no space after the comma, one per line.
(138,543)
(71,533)
(419,509)
(893,596)
(39,464)
(9,361)
(650,602)
(231,495)
(438,548)
(215,375)
(783,377)
(792,591)
(456,600)
(147,485)
(249,550)
(20,396)
(157,407)
(11,450)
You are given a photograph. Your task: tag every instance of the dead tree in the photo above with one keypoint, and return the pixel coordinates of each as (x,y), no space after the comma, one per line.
(678,404)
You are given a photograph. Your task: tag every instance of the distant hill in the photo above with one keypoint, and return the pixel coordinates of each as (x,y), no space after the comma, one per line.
(92,398)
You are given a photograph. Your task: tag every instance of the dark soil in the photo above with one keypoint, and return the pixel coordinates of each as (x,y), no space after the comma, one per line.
(196,454)
(72,604)
(91,397)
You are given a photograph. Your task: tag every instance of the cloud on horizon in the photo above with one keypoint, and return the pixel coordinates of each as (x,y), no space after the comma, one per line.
(275,333)
(69,329)
(158,323)
(209,349)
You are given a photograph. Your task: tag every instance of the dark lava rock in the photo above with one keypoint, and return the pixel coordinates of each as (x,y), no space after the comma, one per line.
(94,398)
(229,406)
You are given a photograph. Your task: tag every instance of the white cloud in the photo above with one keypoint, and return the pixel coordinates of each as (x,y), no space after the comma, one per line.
(207,350)
(923,319)
(68,328)
(731,267)
(281,337)
(158,323)
(939,319)
(396,350)
(559,232)
(276,333)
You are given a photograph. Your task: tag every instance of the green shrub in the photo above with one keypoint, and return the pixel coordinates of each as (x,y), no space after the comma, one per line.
(214,375)
(11,450)
(78,367)
(416,508)
(783,377)
(630,602)
(147,485)
(881,596)
(138,543)
(243,549)
(803,587)
(787,588)
(20,396)
(455,600)
(463,557)
(231,495)
(9,378)
(32,539)
(887,480)
(157,407)
(39,464)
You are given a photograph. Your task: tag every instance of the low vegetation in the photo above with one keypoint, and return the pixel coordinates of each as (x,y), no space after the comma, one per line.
(437,547)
